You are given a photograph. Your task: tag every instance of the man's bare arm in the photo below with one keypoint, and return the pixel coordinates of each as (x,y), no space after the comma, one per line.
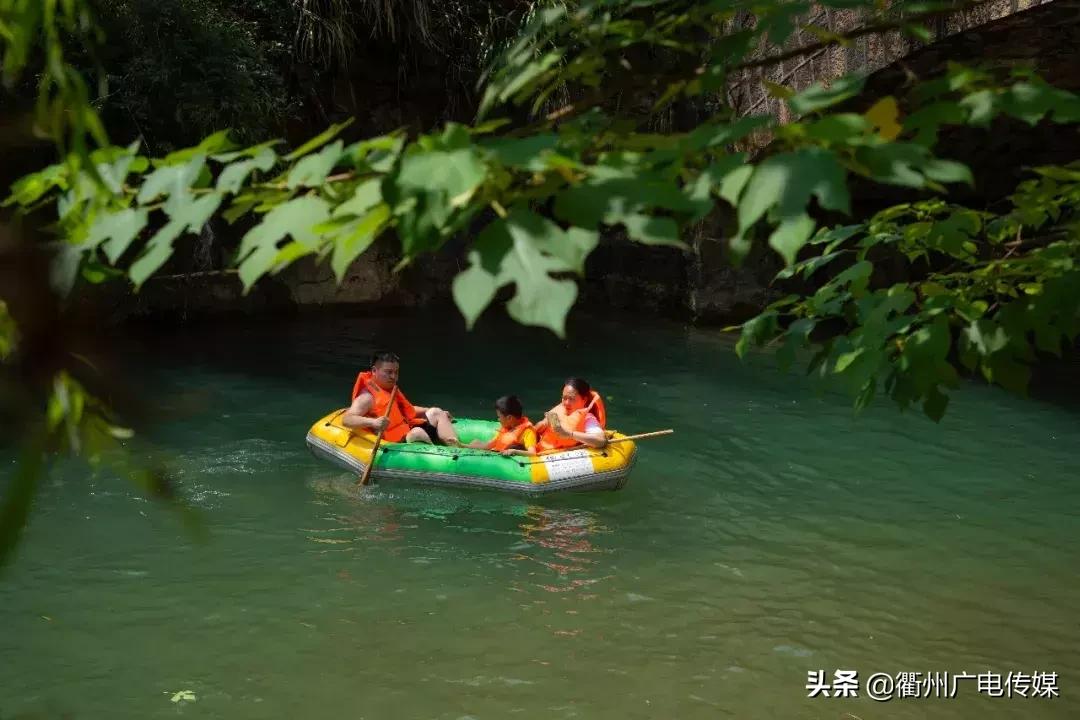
(356,415)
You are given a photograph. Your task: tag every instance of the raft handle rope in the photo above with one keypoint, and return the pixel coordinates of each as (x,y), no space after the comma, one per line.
(338,414)
(430,450)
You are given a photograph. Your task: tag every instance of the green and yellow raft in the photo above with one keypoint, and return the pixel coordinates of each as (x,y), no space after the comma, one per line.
(575,469)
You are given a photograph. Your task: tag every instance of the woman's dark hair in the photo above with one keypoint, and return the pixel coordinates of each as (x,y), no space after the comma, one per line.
(384,356)
(509,405)
(580,387)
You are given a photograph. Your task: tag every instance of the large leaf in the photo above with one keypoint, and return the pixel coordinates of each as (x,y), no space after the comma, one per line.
(297,218)
(790,236)
(789,180)
(357,238)
(116,230)
(429,188)
(516,250)
(367,195)
(527,153)
(318,141)
(234,176)
(785,184)
(195,212)
(818,96)
(540,300)
(571,247)
(456,173)
(473,289)
(171,180)
(156,252)
(312,170)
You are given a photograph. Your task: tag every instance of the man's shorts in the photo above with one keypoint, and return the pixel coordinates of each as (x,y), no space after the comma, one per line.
(432,433)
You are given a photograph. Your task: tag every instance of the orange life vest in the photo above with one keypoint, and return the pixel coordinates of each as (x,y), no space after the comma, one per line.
(575,422)
(505,439)
(402,416)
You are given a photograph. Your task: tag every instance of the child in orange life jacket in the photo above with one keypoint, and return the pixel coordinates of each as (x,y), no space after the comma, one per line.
(515,435)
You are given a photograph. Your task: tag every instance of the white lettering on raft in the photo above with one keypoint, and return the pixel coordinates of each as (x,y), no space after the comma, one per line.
(570,464)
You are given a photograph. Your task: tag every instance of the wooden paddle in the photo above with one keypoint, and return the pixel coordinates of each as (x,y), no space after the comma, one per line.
(639,436)
(378,440)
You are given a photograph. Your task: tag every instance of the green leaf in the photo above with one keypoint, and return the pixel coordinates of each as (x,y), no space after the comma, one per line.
(711,135)
(809,266)
(926,121)
(473,290)
(367,195)
(701,189)
(518,246)
(377,154)
(733,183)
(30,188)
(543,302)
(981,106)
(232,178)
(540,300)
(615,192)
(64,267)
(117,230)
(249,152)
(18,495)
(817,96)
(840,128)
(919,32)
(790,236)
(987,336)
(935,404)
(171,180)
(210,145)
(755,331)
(358,238)
(313,169)
(297,217)
(318,141)
(649,230)
(845,360)
(527,153)
(428,188)
(857,277)
(789,180)
(947,171)
(895,163)
(193,213)
(156,252)
(797,336)
(1008,373)
(866,394)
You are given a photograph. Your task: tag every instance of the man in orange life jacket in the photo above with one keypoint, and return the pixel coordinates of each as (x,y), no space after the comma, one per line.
(407,422)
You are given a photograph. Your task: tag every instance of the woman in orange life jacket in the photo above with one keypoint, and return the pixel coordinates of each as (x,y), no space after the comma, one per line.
(515,435)
(405,421)
(581,415)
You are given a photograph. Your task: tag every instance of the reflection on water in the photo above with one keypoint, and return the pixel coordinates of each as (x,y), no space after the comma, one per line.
(561,541)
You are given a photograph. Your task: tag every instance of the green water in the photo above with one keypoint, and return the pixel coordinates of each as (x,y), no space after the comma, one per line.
(773,534)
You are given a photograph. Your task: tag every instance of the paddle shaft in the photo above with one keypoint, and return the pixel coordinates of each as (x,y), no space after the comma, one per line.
(378,439)
(640,436)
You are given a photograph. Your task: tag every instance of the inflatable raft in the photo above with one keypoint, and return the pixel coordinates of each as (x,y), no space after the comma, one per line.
(580,468)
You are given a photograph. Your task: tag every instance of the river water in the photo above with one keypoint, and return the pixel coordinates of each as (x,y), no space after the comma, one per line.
(774,534)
